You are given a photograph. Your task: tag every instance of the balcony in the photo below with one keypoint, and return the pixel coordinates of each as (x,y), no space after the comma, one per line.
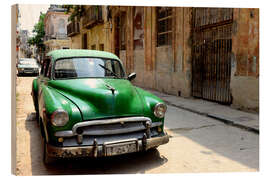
(55,36)
(73,28)
(92,17)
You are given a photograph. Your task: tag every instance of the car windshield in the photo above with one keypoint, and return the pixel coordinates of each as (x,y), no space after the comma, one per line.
(87,68)
(28,62)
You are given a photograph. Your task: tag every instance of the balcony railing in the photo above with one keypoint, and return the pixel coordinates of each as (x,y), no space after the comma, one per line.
(92,17)
(73,28)
(55,36)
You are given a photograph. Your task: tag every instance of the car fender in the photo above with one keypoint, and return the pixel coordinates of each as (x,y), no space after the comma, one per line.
(51,101)
(150,101)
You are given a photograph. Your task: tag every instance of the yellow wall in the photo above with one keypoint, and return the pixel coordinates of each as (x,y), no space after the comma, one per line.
(99,35)
(76,42)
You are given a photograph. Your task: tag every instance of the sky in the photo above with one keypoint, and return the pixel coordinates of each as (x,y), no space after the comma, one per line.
(30,15)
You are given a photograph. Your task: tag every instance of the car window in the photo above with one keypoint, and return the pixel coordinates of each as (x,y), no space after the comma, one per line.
(48,74)
(87,67)
(46,67)
(42,69)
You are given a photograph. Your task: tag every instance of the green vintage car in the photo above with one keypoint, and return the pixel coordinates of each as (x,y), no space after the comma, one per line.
(86,106)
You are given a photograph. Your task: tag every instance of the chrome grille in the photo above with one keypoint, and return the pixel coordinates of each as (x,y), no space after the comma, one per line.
(111,126)
(28,69)
(109,129)
(104,130)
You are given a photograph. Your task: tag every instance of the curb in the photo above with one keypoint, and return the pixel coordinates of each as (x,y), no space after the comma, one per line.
(226,121)
(232,123)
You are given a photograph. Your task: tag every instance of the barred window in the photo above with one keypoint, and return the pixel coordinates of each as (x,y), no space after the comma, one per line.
(101,47)
(164,26)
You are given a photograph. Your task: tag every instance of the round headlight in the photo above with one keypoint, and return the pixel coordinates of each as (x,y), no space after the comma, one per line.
(59,117)
(160,110)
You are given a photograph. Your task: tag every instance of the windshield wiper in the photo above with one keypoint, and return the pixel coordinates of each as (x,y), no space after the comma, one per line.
(108,70)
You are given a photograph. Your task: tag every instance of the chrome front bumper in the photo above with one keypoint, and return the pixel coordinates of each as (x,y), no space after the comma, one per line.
(32,71)
(100,150)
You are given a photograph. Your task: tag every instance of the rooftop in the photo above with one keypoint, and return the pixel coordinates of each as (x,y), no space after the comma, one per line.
(56,8)
(68,53)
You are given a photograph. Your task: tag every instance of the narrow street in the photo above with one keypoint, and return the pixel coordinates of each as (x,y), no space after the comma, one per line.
(197,144)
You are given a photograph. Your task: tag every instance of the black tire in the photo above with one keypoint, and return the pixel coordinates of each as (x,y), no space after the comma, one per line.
(36,106)
(37,118)
(47,160)
(41,128)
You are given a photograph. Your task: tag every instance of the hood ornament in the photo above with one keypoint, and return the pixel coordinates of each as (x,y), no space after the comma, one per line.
(110,88)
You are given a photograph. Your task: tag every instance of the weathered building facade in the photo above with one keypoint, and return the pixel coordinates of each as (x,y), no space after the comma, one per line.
(92,30)
(25,49)
(245,59)
(55,25)
(209,53)
(156,46)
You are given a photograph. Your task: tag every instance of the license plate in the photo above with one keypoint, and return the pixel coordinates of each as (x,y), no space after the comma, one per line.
(123,148)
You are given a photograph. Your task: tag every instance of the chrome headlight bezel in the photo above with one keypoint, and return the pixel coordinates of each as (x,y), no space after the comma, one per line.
(160,110)
(59,121)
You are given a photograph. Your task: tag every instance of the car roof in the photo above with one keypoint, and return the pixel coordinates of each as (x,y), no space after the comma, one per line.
(27,59)
(68,53)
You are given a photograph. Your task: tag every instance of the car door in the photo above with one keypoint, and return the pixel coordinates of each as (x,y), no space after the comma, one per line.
(43,79)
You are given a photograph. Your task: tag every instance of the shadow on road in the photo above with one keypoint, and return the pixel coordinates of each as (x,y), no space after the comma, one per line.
(124,164)
(230,142)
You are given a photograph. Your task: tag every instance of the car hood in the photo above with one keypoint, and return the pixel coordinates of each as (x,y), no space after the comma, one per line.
(27,66)
(96,100)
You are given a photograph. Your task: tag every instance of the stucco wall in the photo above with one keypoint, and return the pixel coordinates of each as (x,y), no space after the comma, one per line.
(76,42)
(139,66)
(56,23)
(164,67)
(122,57)
(96,36)
(245,59)
(57,44)
(245,93)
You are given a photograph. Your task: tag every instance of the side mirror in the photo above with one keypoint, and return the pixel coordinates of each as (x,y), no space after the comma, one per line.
(131,76)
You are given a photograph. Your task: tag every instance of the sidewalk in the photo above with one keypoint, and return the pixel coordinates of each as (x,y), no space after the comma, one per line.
(226,114)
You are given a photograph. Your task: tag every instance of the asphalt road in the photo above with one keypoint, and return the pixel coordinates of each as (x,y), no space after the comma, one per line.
(197,144)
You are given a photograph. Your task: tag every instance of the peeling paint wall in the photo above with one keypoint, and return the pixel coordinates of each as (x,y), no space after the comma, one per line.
(99,35)
(54,44)
(245,59)
(76,42)
(139,67)
(55,26)
(165,68)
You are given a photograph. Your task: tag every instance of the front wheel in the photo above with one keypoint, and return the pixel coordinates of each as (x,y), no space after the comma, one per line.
(37,117)
(46,158)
